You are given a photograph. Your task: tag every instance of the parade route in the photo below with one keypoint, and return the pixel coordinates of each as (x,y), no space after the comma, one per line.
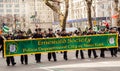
(105,64)
(88,64)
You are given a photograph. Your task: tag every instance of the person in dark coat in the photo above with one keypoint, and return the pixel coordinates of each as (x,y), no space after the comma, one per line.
(79,51)
(10,59)
(51,54)
(102,49)
(23,58)
(91,32)
(63,34)
(1,45)
(113,50)
(38,34)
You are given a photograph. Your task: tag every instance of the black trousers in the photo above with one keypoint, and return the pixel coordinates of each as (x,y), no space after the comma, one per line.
(65,55)
(113,51)
(24,59)
(52,54)
(1,49)
(102,53)
(38,58)
(94,53)
(9,60)
(81,54)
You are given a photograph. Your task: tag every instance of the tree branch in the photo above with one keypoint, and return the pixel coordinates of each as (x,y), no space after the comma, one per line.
(89,1)
(52,6)
(58,1)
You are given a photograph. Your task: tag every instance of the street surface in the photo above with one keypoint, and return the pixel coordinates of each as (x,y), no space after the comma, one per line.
(88,64)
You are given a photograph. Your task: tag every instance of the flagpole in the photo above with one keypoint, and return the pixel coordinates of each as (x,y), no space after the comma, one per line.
(15,22)
(35,13)
(112,13)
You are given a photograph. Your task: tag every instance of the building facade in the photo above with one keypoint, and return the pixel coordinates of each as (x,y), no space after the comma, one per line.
(13,13)
(44,15)
(102,10)
(17,13)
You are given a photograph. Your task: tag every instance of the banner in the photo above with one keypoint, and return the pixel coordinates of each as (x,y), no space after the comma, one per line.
(32,46)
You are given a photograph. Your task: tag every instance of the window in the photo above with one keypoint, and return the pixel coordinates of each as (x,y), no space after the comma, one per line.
(23,5)
(23,15)
(7,1)
(1,0)
(16,10)
(16,15)
(23,0)
(8,10)
(1,10)
(23,10)
(17,5)
(16,1)
(102,6)
(8,5)
(1,5)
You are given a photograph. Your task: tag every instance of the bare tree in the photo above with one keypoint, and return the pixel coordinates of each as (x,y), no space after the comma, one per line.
(117,11)
(89,4)
(63,16)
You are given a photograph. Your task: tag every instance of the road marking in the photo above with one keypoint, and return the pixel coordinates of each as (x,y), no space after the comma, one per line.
(46,69)
(84,65)
(87,60)
(73,58)
(0,56)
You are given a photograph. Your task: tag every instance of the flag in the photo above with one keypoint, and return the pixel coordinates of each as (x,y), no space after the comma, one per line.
(95,28)
(33,16)
(115,16)
(5,29)
(106,24)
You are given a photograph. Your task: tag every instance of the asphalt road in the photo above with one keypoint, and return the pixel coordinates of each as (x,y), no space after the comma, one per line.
(88,64)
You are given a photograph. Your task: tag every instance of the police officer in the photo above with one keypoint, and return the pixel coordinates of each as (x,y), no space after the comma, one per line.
(50,54)
(102,50)
(1,44)
(38,34)
(91,32)
(23,58)
(10,59)
(77,51)
(58,33)
(113,50)
(63,34)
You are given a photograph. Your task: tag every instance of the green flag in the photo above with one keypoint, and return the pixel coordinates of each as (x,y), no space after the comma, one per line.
(33,16)
(5,29)
(95,28)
